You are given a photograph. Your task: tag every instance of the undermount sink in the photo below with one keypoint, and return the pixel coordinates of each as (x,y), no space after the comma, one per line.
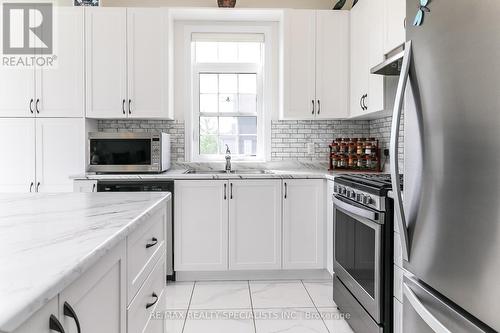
(232,172)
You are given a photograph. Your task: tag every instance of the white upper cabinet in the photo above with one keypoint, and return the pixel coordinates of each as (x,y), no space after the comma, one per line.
(17,92)
(395,31)
(316,65)
(60,90)
(367,50)
(127,63)
(255,224)
(299,64)
(106,59)
(332,64)
(60,144)
(303,224)
(148,63)
(17,148)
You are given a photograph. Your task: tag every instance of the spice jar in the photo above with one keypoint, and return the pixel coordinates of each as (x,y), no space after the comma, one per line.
(374,162)
(359,149)
(352,147)
(368,161)
(354,160)
(343,162)
(361,162)
(335,147)
(336,161)
(351,160)
(368,148)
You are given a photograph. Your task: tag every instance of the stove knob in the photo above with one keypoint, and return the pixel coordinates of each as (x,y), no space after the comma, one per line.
(367,200)
(342,190)
(352,195)
(360,198)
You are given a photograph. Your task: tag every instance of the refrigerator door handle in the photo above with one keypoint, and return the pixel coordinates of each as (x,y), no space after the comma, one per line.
(423,312)
(394,146)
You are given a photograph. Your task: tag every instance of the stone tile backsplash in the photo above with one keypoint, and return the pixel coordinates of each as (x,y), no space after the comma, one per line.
(289,138)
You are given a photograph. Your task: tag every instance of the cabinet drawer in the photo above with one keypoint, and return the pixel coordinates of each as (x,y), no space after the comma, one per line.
(144,247)
(138,316)
(157,325)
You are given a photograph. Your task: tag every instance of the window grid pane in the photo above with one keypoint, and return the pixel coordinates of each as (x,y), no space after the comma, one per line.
(228,52)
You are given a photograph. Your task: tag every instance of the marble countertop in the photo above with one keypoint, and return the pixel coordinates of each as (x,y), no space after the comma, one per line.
(48,240)
(181,174)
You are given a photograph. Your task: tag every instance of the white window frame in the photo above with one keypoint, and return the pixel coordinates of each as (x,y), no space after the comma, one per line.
(264,91)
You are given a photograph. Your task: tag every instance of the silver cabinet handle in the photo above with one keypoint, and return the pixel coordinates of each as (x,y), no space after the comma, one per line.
(394,144)
(423,312)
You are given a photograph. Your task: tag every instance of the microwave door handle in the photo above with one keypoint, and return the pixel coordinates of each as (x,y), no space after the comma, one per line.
(394,151)
(367,214)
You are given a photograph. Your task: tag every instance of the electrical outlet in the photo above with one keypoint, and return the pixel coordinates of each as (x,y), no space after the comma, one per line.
(386,152)
(310,148)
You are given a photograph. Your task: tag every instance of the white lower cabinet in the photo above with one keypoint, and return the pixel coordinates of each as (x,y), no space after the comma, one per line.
(84,186)
(98,297)
(201,225)
(329,226)
(303,224)
(255,224)
(101,301)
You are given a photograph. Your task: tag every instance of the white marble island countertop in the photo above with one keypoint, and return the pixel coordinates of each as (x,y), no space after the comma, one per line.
(48,240)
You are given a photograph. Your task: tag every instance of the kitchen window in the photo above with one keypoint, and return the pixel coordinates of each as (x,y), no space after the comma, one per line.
(227,96)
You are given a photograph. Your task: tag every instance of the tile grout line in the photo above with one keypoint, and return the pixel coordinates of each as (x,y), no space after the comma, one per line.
(251,305)
(317,310)
(189,306)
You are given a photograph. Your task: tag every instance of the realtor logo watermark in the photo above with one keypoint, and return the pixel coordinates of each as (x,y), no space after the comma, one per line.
(28,35)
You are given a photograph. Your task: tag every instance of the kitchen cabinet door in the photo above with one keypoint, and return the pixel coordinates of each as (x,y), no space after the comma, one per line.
(332,64)
(148,63)
(39,321)
(201,225)
(299,64)
(303,224)
(106,62)
(395,31)
(17,92)
(359,56)
(329,226)
(255,224)
(17,151)
(60,90)
(60,145)
(98,298)
(375,15)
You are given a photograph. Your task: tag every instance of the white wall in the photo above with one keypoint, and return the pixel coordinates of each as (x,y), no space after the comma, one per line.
(313,4)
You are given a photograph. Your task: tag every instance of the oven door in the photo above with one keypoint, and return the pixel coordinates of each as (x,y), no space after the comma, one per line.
(358,233)
(120,152)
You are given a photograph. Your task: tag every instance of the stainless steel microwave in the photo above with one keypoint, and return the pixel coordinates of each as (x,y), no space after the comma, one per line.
(128,152)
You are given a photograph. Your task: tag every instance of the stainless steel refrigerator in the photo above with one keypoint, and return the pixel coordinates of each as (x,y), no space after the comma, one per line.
(449,89)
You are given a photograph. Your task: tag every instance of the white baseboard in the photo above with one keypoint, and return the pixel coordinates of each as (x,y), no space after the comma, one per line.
(309,274)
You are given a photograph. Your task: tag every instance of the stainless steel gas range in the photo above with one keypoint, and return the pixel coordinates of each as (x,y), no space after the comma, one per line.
(363,251)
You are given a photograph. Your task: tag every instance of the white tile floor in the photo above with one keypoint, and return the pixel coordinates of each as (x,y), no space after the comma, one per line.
(252,306)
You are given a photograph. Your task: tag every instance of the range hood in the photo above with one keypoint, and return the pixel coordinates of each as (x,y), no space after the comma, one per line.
(392,64)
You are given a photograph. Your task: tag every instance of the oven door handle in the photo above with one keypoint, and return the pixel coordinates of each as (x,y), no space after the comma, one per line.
(367,214)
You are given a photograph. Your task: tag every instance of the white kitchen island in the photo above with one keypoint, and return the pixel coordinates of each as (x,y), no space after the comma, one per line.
(91,259)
